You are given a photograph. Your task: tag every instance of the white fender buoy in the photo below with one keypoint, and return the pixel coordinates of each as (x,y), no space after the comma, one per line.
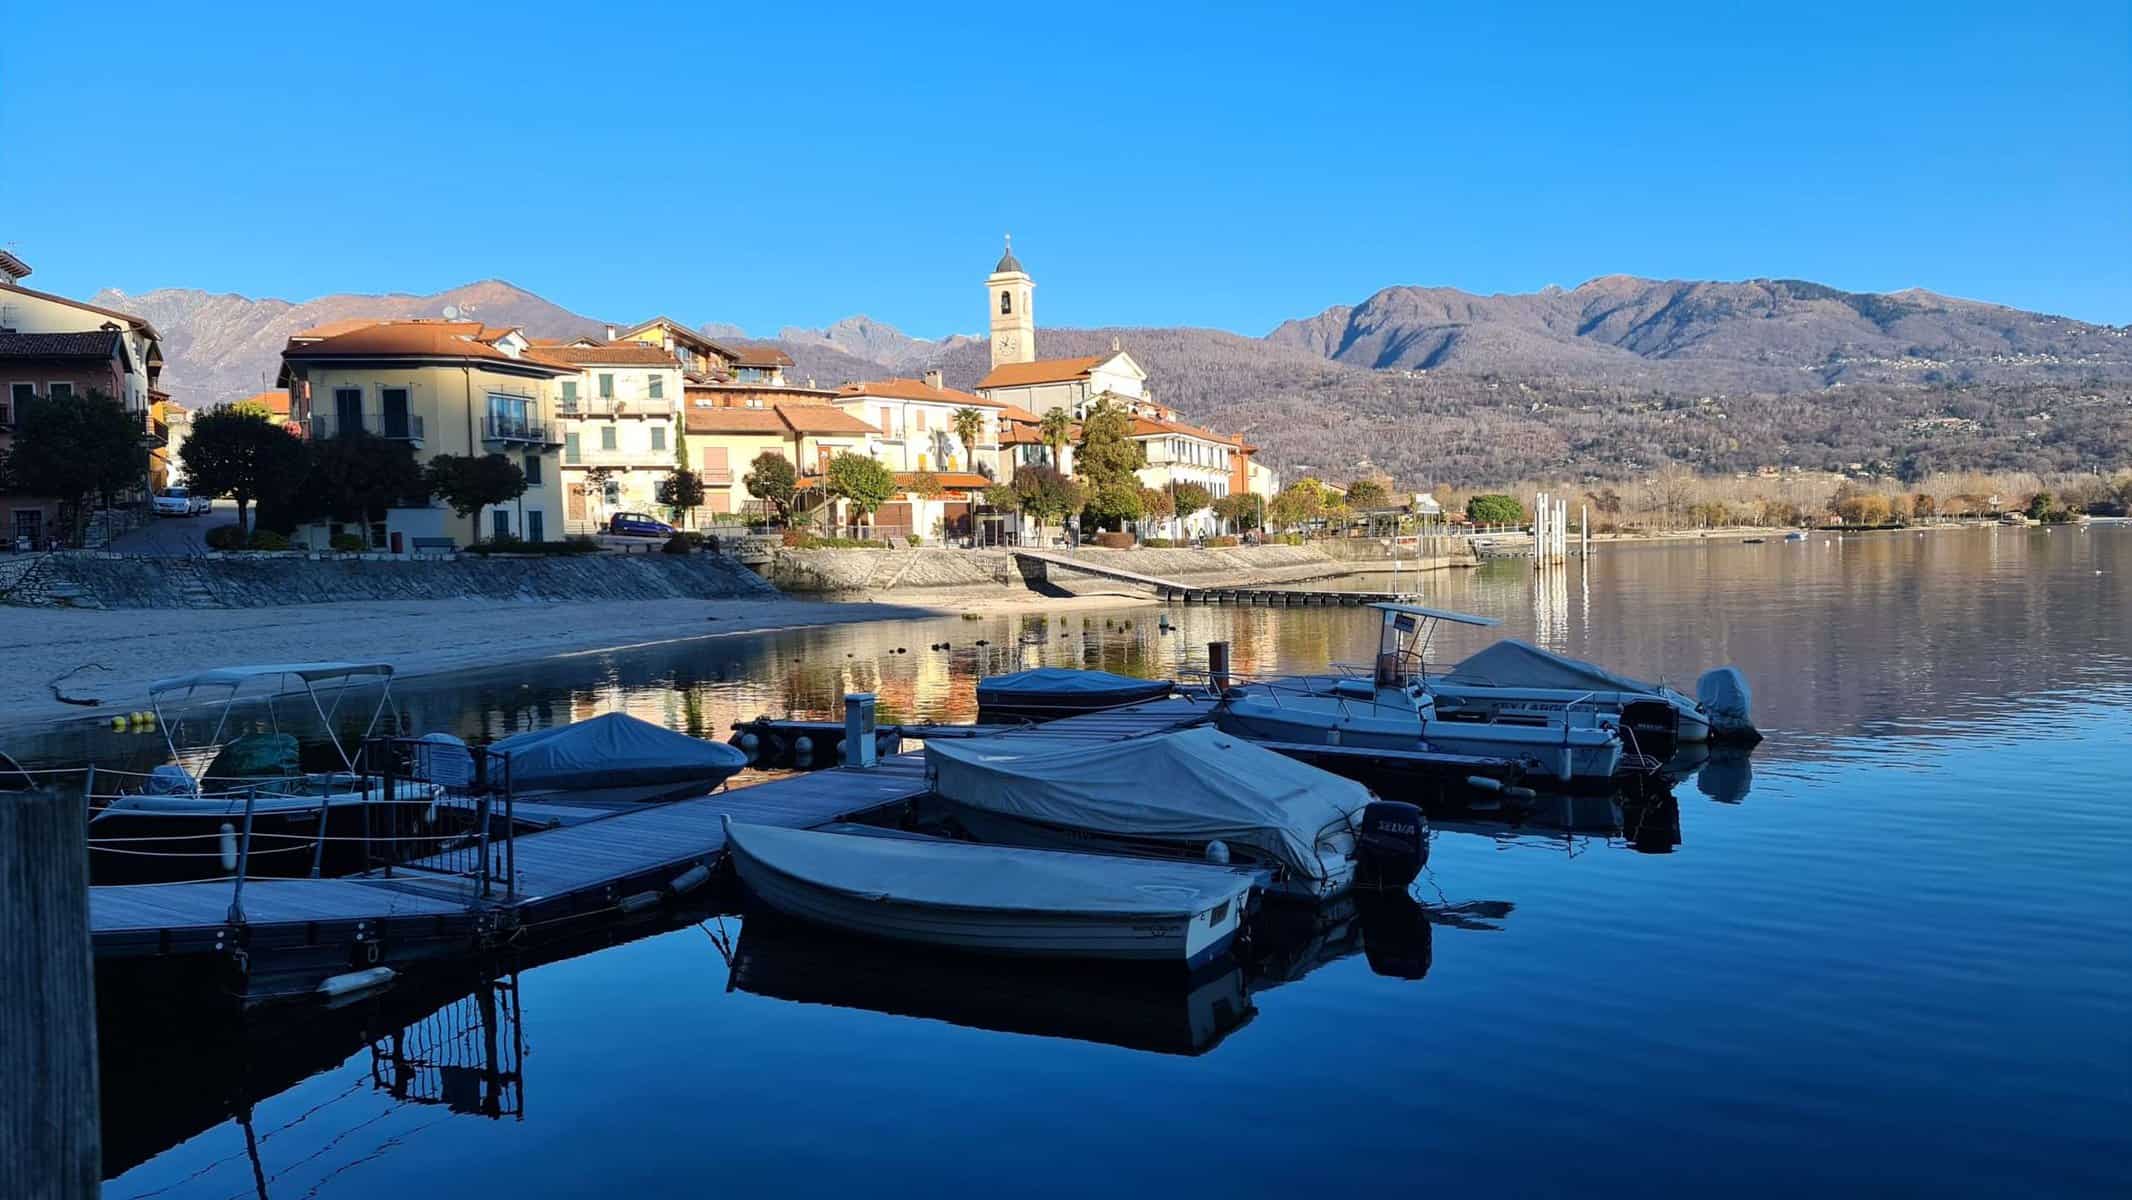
(229,847)
(356,981)
(691,879)
(1483,783)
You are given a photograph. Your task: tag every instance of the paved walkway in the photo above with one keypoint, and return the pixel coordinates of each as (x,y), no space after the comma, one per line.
(175,537)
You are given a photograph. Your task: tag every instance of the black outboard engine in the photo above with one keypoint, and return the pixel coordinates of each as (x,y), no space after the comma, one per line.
(1392,845)
(1650,728)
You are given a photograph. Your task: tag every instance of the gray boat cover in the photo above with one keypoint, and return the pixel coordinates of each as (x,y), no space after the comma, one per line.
(615,750)
(1514,664)
(937,872)
(1197,785)
(1058,681)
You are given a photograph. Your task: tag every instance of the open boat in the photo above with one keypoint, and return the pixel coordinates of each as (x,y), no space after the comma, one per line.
(1518,681)
(1172,795)
(1395,710)
(253,802)
(994,899)
(1048,693)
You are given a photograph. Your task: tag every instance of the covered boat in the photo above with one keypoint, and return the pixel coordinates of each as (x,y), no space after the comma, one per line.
(1047,693)
(617,753)
(1515,679)
(1170,794)
(994,899)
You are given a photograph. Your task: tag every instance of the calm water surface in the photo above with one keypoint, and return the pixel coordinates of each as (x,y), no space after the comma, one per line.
(1891,953)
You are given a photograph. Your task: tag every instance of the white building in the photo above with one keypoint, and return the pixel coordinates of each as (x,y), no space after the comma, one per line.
(619,420)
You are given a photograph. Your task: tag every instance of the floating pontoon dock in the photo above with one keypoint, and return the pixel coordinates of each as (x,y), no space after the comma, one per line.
(1266,595)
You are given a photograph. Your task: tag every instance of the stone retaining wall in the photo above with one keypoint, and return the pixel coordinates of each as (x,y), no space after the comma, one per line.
(117,581)
(937,569)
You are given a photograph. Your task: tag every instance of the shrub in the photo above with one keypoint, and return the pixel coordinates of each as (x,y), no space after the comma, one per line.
(1286,539)
(225,537)
(914,539)
(1159,543)
(1222,542)
(266,539)
(348,543)
(677,544)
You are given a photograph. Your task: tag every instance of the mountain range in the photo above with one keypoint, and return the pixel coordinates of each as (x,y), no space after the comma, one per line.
(1610,379)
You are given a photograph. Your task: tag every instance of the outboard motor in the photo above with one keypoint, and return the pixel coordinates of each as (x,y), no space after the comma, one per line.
(1392,844)
(1653,728)
(1725,699)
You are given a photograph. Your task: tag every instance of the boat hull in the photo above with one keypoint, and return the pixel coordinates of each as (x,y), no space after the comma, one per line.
(1581,755)
(1004,829)
(1187,939)
(166,839)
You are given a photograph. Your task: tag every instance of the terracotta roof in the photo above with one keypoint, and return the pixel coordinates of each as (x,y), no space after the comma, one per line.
(821,418)
(757,356)
(1144,427)
(915,389)
(1015,412)
(108,312)
(1043,370)
(96,343)
(274,400)
(416,339)
(736,420)
(778,420)
(632,354)
(798,395)
(679,330)
(334,328)
(1023,433)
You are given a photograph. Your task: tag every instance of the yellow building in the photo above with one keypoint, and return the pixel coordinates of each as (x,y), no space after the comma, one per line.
(443,387)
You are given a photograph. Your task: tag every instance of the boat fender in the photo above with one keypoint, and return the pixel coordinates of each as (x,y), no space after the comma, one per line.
(749,745)
(1727,702)
(638,902)
(1218,853)
(1392,845)
(356,981)
(691,879)
(1481,783)
(803,745)
(229,847)
(1520,793)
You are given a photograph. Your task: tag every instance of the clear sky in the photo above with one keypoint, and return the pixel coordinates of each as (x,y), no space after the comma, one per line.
(1225,165)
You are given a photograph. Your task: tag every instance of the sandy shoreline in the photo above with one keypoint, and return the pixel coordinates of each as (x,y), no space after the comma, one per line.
(138,646)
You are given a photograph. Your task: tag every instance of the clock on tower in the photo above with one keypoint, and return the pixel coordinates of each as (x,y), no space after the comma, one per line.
(1009,293)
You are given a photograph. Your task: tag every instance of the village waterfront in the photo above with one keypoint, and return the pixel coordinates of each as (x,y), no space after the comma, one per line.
(1885,951)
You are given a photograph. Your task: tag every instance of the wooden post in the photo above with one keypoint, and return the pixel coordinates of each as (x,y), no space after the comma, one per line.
(1218,666)
(49,1141)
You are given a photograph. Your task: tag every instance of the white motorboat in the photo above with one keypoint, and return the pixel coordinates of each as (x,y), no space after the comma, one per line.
(1172,795)
(1517,681)
(252,807)
(1395,710)
(994,899)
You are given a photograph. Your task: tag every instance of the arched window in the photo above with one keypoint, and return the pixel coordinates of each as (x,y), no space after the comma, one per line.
(1006,303)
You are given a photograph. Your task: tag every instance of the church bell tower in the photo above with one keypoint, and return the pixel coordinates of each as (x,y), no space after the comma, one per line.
(1008,290)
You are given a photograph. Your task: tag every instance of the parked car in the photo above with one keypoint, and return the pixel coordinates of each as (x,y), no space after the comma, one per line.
(631,524)
(180,502)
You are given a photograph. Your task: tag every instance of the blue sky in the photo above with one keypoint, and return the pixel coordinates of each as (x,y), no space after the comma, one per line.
(1227,166)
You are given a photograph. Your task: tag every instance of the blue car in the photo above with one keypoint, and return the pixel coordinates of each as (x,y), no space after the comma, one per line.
(637,525)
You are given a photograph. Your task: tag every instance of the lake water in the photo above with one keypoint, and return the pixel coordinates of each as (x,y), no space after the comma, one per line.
(1891,953)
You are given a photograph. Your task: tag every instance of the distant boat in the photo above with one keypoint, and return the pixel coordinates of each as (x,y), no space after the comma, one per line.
(1796,535)
(995,899)
(1048,693)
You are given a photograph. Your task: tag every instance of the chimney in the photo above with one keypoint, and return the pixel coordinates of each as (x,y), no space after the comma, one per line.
(932,379)
(610,333)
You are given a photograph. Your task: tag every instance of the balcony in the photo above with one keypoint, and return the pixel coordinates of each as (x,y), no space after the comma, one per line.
(394,426)
(512,429)
(601,407)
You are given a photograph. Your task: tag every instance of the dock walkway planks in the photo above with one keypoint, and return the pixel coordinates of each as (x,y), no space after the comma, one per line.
(582,867)
(1194,593)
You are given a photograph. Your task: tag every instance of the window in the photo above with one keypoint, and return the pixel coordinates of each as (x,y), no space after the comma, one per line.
(500,521)
(606,386)
(612,492)
(570,450)
(536,525)
(655,386)
(658,437)
(532,470)
(606,437)
(347,410)
(59,390)
(918,419)
(394,403)
(569,394)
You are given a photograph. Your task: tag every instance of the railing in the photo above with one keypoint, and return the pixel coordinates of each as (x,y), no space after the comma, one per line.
(511,429)
(398,427)
(469,789)
(467,1056)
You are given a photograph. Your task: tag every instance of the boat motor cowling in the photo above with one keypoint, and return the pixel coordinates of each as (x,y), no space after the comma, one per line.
(1392,844)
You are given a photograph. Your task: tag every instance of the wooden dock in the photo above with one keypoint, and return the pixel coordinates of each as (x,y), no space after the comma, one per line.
(608,865)
(1267,595)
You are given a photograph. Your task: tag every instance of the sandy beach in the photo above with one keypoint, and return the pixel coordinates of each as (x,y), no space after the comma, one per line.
(135,647)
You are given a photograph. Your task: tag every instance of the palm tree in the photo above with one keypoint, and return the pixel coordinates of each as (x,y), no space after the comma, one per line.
(968,424)
(1056,428)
